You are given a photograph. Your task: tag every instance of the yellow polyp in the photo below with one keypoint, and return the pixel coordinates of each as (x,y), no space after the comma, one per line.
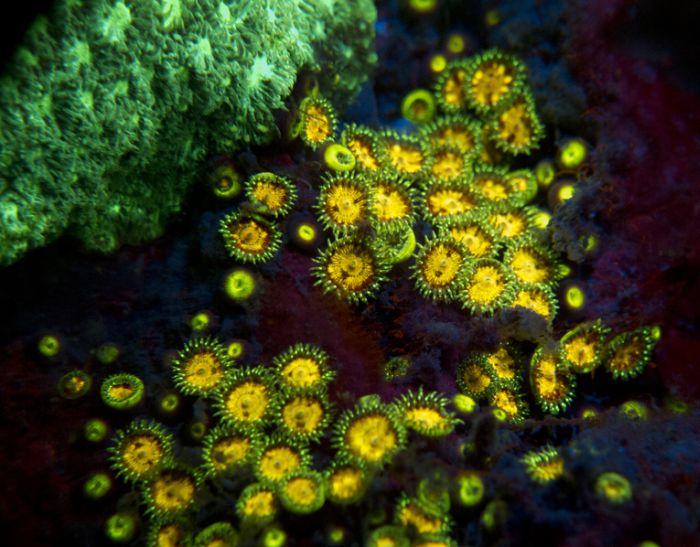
(574,297)
(445,202)
(528,267)
(362,150)
(389,203)
(582,350)
(260,505)
(455,43)
(474,238)
(492,188)
(351,268)
(247,401)
(613,487)
(447,165)
(453,89)
(515,125)
(371,437)
(418,106)
(301,372)
(441,265)
(626,356)
(278,462)
(345,204)
(550,383)
(140,454)
(507,402)
(464,403)
(273,196)
(456,135)
(491,82)
(306,233)
(565,192)
(229,451)
(170,535)
(405,158)
(486,285)
(412,514)
(203,370)
(534,300)
(438,63)
(426,417)
(318,125)
(301,490)
(120,392)
(345,483)
(172,492)
(505,366)
(250,236)
(508,224)
(303,414)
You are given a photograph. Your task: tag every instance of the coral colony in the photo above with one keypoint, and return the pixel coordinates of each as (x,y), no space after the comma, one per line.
(437,207)
(434,232)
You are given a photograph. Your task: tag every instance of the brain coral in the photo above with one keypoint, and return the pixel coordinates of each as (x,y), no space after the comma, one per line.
(108,106)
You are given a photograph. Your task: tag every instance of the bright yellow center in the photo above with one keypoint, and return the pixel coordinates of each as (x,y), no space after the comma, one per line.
(447,165)
(229,451)
(121,392)
(581,350)
(508,224)
(390,203)
(424,523)
(515,125)
(250,236)
(474,238)
(475,379)
(453,90)
(503,364)
(261,504)
(486,285)
(529,267)
(317,124)
(203,370)
(273,196)
(302,414)
(371,437)
(172,491)
(491,187)
(170,535)
(141,453)
(426,418)
(548,470)
(345,483)
(441,265)
(455,135)
(447,202)
(362,150)
(491,81)
(278,462)
(344,204)
(534,300)
(301,490)
(301,372)
(550,384)
(351,268)
(405,158)
(248,401)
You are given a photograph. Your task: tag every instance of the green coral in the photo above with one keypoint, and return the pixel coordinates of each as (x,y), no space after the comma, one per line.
(110,106)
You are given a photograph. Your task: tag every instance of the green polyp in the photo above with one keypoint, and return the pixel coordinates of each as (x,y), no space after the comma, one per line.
(122,391)
(97,486)
(95,430)
(120,527)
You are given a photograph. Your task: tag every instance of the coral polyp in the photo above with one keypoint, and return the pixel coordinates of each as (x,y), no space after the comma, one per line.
(426,413)
(302,492)
(342,202)
(460,132)
(581,349)
(302,368)
(447,200)
(403,154)
(545,465)
(510,402)
(345,483)
(475,235)
(257,505)
(169,492)
(200,367)
(246,399)
(122,391)
(141,449)
(276,459)
(219,534)
(538,299)
(410,513)
(531,263)
(487,287)
(552,384)
(439,268)
(516,128)
(349,268)
(491,78)
(272,194)
(390,203)
(503,365)
(451,87)
(370,434)
(361,141)
(447,162)
(249,238)
(224,450)
(317,121)
(474,379)
(627,354)
(303,417)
